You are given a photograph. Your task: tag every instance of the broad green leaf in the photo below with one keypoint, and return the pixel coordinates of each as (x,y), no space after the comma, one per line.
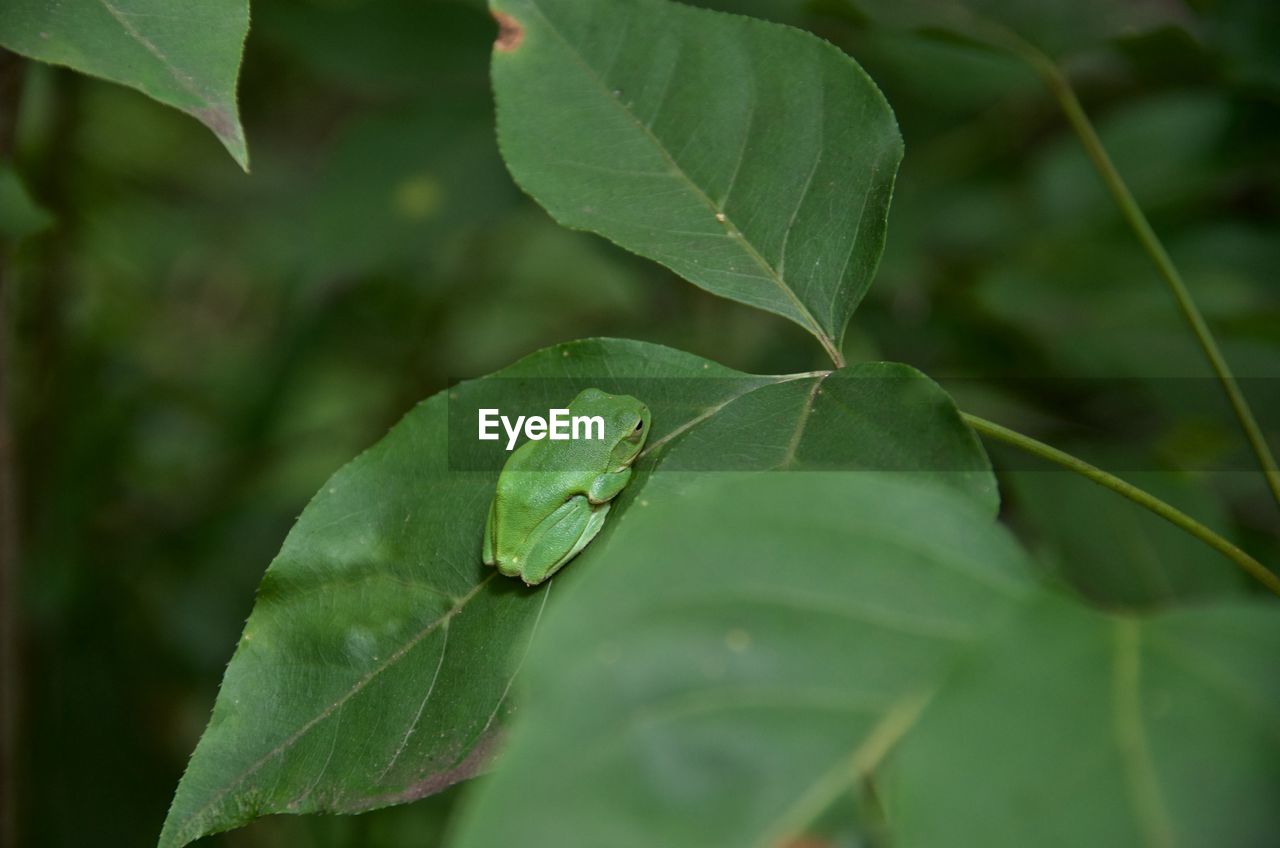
(20,215)
(377,664)
(754,160)
(183,53)
(1077,728)
(754,650)
(762,648)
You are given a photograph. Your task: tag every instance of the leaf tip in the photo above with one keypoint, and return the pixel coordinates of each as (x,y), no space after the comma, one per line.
(225,124)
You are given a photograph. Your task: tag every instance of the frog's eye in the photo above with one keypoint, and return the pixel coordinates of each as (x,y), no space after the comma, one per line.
(639,426)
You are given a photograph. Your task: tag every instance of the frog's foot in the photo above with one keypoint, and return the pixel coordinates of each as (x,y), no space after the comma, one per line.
(561,536)
(489,524)
(607,486)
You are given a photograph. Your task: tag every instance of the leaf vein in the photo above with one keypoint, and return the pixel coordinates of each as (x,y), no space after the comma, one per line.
(771,274)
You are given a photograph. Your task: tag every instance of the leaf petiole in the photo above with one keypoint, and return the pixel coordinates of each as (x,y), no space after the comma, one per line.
(1168,512)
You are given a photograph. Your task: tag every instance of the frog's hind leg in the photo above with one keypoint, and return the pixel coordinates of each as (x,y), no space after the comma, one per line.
(563,534)
(490,524)
(594,524)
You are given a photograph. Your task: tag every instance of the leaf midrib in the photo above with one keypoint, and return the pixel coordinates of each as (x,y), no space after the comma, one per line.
(863,760)
(1138,769)
(354,690)
(147,44)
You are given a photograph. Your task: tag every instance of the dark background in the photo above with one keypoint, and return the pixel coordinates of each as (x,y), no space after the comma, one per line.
(192,351)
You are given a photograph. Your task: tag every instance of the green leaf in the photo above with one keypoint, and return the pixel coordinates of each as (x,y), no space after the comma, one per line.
(377,664)
(754,160)
(755,647)
(1076,728)
(183,53)
(765,647)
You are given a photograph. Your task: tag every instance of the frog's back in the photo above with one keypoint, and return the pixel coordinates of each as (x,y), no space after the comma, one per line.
(536,481)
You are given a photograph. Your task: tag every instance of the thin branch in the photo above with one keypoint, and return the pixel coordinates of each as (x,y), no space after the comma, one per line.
(1062,90)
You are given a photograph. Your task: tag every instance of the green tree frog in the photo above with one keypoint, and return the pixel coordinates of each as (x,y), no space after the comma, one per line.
(553,496)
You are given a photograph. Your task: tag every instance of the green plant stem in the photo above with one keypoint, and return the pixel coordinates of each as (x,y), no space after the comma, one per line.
(1169,513)
(1060,85)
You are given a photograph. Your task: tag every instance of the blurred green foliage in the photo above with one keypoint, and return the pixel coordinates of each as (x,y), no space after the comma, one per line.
(194,350)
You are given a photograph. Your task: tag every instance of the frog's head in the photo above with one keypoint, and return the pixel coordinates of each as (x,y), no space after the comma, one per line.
(626,423)
(632,419)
